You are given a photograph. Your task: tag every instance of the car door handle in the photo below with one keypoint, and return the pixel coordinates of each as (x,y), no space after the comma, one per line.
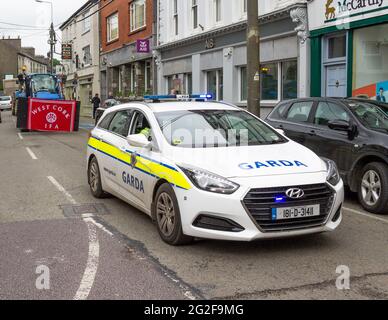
(312,133)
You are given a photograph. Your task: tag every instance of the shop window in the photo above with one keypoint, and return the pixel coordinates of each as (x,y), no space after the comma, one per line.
(290,80)
(243,84)
(370,63)
(137,10)
(215,84)
(269,82)
(112,23)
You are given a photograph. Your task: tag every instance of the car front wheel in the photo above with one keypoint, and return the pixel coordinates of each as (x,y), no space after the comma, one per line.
(168,218)
(373,188)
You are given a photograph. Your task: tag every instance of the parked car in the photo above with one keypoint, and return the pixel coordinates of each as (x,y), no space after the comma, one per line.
(5,103)
(107,104)
(352,132)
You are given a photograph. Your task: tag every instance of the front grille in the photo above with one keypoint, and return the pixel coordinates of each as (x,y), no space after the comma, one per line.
(260,202)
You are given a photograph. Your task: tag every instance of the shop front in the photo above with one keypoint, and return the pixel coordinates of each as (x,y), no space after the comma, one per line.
(216,61)
(127,72)
(349,48)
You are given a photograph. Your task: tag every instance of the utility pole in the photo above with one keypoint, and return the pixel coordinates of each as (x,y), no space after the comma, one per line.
(52,42)
(253,57)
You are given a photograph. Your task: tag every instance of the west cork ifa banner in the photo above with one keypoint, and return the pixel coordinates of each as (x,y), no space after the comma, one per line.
(51,115)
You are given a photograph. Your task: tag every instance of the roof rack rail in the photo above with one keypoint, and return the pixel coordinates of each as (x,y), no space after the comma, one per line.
(179,97)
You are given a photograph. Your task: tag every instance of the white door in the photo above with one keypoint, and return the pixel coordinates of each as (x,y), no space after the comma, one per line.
(336,81)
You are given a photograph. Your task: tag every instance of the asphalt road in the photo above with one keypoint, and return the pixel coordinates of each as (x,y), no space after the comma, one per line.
(58,242)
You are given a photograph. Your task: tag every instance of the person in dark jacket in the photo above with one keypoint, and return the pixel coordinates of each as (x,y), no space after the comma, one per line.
(96,101)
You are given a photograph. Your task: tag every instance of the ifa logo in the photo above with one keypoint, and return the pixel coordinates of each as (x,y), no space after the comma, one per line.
(51,117)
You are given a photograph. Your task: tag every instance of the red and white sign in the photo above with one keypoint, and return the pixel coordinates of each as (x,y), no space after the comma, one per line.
(51,115)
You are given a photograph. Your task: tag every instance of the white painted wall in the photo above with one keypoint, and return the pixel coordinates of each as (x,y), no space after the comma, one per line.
(232,12)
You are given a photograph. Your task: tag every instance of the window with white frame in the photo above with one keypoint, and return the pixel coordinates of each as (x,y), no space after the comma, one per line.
(112,23)
(194,13)
(279,80)
(137,10)
(86,25)
(175,17)
(217,10)
(87,57)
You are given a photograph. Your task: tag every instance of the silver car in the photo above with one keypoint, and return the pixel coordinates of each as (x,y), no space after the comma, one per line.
(5,103)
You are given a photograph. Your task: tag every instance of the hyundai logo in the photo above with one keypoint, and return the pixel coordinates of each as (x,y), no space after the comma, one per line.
(295,193)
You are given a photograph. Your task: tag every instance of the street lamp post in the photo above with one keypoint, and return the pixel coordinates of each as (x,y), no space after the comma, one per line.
(52,41)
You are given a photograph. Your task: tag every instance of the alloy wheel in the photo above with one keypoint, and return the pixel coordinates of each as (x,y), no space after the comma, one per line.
(165,214)
(371,188)
(94,177)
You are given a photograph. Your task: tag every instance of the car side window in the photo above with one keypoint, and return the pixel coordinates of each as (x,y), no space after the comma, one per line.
(140,123)
(300,111)
(328,111)
(120,123)
(104,124)
(278,112)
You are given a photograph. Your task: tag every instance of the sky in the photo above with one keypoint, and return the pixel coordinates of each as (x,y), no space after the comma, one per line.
(35,18)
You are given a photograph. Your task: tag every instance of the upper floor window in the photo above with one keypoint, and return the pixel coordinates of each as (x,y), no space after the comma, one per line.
(194,13)
(86,22)
(175,17)
(87,56)
(217,10)
(112,23)
(138,14)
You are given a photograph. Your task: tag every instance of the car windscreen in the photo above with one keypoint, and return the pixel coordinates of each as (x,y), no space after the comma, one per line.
(372,116)
(215,128)
(5,98)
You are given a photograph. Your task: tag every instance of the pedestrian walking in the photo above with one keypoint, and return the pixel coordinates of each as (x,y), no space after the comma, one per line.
(96,101)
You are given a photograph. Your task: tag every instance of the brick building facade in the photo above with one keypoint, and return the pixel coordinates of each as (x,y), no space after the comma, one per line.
(126,62)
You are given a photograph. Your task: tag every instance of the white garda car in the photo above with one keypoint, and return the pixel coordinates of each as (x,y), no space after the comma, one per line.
(212,170)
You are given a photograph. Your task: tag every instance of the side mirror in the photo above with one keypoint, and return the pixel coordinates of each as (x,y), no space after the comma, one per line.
(340,125)
(281,131)
(139,141)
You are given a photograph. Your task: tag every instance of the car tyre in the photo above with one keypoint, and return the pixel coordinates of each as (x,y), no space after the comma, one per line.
(373,188)
(94,179)
(168,217)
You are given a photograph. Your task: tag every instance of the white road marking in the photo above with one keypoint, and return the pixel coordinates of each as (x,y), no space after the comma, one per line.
(32,155)
(62,189)
(98,225)
(94,247)
(20,136)
(366,215)
(92,263)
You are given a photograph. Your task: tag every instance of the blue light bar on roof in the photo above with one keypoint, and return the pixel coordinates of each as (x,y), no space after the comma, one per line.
(178,97)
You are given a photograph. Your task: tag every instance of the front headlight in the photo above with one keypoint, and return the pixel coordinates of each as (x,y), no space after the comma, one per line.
(210,182)
(333,176)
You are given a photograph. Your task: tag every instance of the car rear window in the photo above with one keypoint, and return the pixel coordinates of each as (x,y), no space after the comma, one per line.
(5,98)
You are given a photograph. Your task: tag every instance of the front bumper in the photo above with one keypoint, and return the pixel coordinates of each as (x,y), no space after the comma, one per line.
(195,203)
(5,106)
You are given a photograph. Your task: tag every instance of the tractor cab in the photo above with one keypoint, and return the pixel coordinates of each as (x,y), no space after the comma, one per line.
(43,86)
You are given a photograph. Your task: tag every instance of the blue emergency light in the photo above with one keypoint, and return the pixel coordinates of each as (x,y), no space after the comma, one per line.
(178,97)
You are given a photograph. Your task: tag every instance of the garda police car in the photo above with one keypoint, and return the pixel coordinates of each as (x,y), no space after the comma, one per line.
(211,170)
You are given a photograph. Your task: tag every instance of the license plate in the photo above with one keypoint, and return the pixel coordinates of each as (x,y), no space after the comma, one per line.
(295,212)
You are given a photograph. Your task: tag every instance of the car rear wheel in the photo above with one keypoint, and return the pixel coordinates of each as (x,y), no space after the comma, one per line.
(373,188)
(94,178)
(168,218)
